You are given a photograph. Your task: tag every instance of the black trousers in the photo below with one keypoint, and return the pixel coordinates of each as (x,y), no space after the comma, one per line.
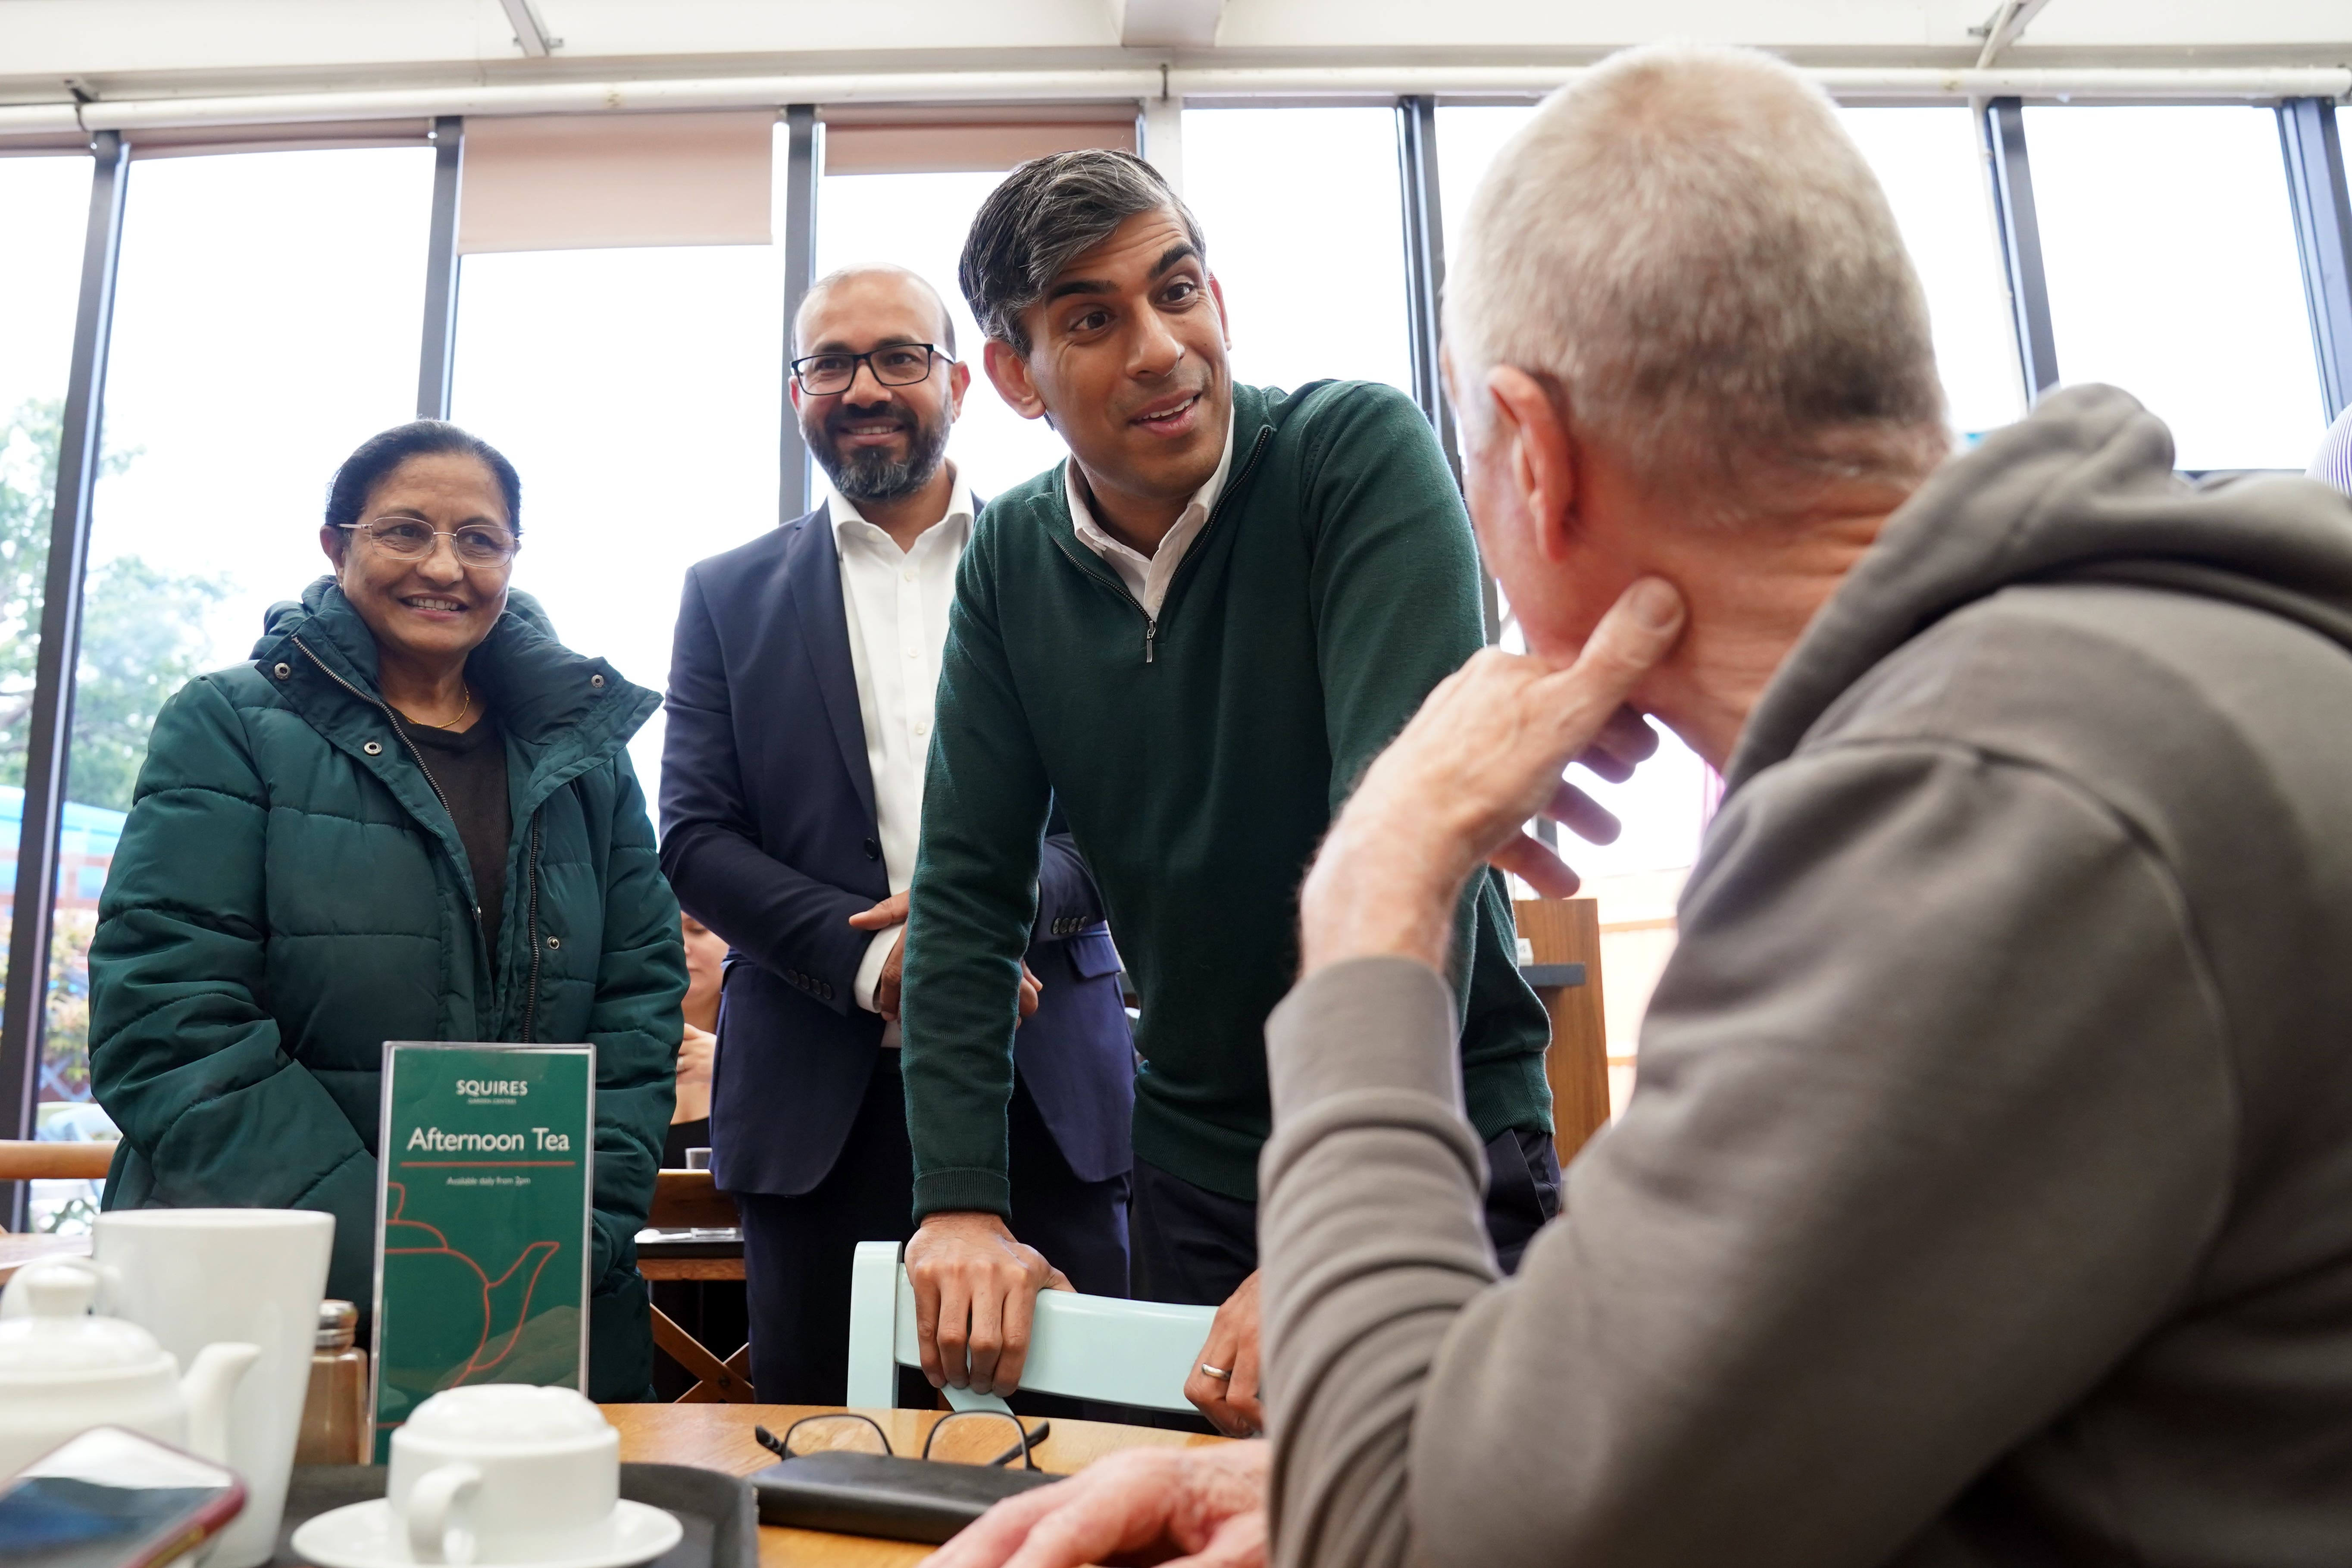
(1196,1246)
(797,1249)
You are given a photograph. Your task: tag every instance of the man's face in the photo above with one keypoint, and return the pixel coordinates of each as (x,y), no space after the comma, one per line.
(1128,355)
(877,442)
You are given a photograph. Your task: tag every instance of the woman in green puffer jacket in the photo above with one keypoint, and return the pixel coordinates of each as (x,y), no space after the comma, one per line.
(412,816)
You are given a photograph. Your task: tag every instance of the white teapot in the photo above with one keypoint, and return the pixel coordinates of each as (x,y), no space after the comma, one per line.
(63,1371)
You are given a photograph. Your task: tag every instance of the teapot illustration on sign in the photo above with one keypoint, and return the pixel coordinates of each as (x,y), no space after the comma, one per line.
(63,1371)
(455,1313)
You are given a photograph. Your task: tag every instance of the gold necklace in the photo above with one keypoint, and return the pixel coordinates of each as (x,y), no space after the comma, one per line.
(453,723)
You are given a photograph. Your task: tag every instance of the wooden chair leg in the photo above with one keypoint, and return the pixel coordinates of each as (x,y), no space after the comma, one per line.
(722,1382)
(736,1389)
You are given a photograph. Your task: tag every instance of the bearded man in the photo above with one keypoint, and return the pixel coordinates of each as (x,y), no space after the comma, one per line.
(799,717)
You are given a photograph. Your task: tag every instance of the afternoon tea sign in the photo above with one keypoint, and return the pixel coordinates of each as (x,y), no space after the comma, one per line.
(483,1188)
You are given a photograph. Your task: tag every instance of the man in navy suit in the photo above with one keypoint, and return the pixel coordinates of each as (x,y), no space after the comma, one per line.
(800,716)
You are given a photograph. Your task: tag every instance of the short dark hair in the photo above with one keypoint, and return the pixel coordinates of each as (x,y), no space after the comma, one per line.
(364,469)
(1048,212)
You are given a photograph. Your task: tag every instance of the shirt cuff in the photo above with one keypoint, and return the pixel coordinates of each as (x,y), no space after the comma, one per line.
(869,968)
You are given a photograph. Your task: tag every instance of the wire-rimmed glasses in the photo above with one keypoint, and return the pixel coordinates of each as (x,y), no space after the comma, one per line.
(983,1437)
(404,537)
(893,365)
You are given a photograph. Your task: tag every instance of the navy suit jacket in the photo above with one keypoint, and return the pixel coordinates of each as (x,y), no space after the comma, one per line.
(769,837)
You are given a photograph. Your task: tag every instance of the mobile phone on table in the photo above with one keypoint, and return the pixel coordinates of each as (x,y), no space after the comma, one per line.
(113,1498)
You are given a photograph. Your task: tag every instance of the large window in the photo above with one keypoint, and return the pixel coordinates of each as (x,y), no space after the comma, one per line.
(1290,325)
(637,392)
(1469,138)
(1926,161)
(918,221)
(44,203)
(1305,230)
(266,321)
(2168,239)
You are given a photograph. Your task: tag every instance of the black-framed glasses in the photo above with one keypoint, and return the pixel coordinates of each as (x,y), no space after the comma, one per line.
(893,365)
(960,1437)
(412,539)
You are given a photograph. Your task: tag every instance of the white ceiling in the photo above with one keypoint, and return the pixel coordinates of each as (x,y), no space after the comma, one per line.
(117,48)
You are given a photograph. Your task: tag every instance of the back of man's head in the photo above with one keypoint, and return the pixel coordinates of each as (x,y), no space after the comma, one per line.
(1687,245)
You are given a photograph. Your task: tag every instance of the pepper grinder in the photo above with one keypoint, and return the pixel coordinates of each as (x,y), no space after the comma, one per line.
(335,1413)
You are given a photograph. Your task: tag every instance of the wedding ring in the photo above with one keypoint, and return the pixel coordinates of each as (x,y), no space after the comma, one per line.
(1222,1374)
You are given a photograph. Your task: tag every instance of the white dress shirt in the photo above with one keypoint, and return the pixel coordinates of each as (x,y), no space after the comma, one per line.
(897,605)
(1147,576)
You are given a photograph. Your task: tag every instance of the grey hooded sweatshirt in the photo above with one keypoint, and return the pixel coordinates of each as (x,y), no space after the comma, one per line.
(1986,1196)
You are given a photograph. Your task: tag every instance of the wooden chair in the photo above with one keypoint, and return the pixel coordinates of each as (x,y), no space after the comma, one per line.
(1566,973)
(684,1199)
(23,1159)
(1086,1347)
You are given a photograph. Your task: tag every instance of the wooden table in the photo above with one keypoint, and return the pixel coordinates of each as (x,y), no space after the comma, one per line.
(19,1248)
(718,1438)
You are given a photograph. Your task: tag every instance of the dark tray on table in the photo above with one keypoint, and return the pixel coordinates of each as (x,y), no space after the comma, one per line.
(722,1526)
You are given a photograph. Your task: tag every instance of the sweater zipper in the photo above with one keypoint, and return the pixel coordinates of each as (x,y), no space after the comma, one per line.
(434,785)
(1150,621)
(530,1005)
(1192,552)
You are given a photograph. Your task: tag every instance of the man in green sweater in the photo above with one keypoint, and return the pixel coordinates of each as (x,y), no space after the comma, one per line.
(1194,635)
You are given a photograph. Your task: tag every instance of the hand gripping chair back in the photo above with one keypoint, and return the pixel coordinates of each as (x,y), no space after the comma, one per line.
(1083,1347)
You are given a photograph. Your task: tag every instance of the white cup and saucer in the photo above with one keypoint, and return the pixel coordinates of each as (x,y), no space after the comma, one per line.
(496,1476)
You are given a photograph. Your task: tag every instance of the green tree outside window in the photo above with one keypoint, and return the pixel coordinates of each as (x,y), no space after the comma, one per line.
(143,636)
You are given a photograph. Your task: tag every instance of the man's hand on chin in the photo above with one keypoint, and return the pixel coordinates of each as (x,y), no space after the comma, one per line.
(1231,1402)
(1482,757)
(1188,1508)
(975,1291)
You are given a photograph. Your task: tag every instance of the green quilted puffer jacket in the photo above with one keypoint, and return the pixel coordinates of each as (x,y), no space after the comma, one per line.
(290,893)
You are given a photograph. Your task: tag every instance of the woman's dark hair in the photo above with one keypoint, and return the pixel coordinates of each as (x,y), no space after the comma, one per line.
(364,469)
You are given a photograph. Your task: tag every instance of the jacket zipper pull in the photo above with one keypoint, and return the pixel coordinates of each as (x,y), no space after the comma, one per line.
(1151,631)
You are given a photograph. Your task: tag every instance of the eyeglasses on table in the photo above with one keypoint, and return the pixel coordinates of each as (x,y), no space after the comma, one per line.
(983,1437)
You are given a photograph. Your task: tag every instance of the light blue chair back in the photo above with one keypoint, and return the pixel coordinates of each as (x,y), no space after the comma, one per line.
(1084,1347)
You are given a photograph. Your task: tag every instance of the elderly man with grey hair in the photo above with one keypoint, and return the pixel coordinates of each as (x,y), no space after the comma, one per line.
(1986,1196)
(1191,638)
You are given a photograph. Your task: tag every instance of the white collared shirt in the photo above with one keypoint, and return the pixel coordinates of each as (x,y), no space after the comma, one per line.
(895,603)
(1147,576)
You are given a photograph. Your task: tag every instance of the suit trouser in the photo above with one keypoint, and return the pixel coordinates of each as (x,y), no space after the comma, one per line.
(1196,1246)
(797,1249)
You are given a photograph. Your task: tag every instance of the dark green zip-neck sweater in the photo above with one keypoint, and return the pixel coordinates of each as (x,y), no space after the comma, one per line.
(1199,760)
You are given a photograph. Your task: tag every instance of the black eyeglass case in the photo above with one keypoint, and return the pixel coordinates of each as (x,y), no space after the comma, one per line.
(874,1494)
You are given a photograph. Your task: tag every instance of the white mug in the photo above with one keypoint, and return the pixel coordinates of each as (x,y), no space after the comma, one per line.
(192,1277)
(505,1473)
